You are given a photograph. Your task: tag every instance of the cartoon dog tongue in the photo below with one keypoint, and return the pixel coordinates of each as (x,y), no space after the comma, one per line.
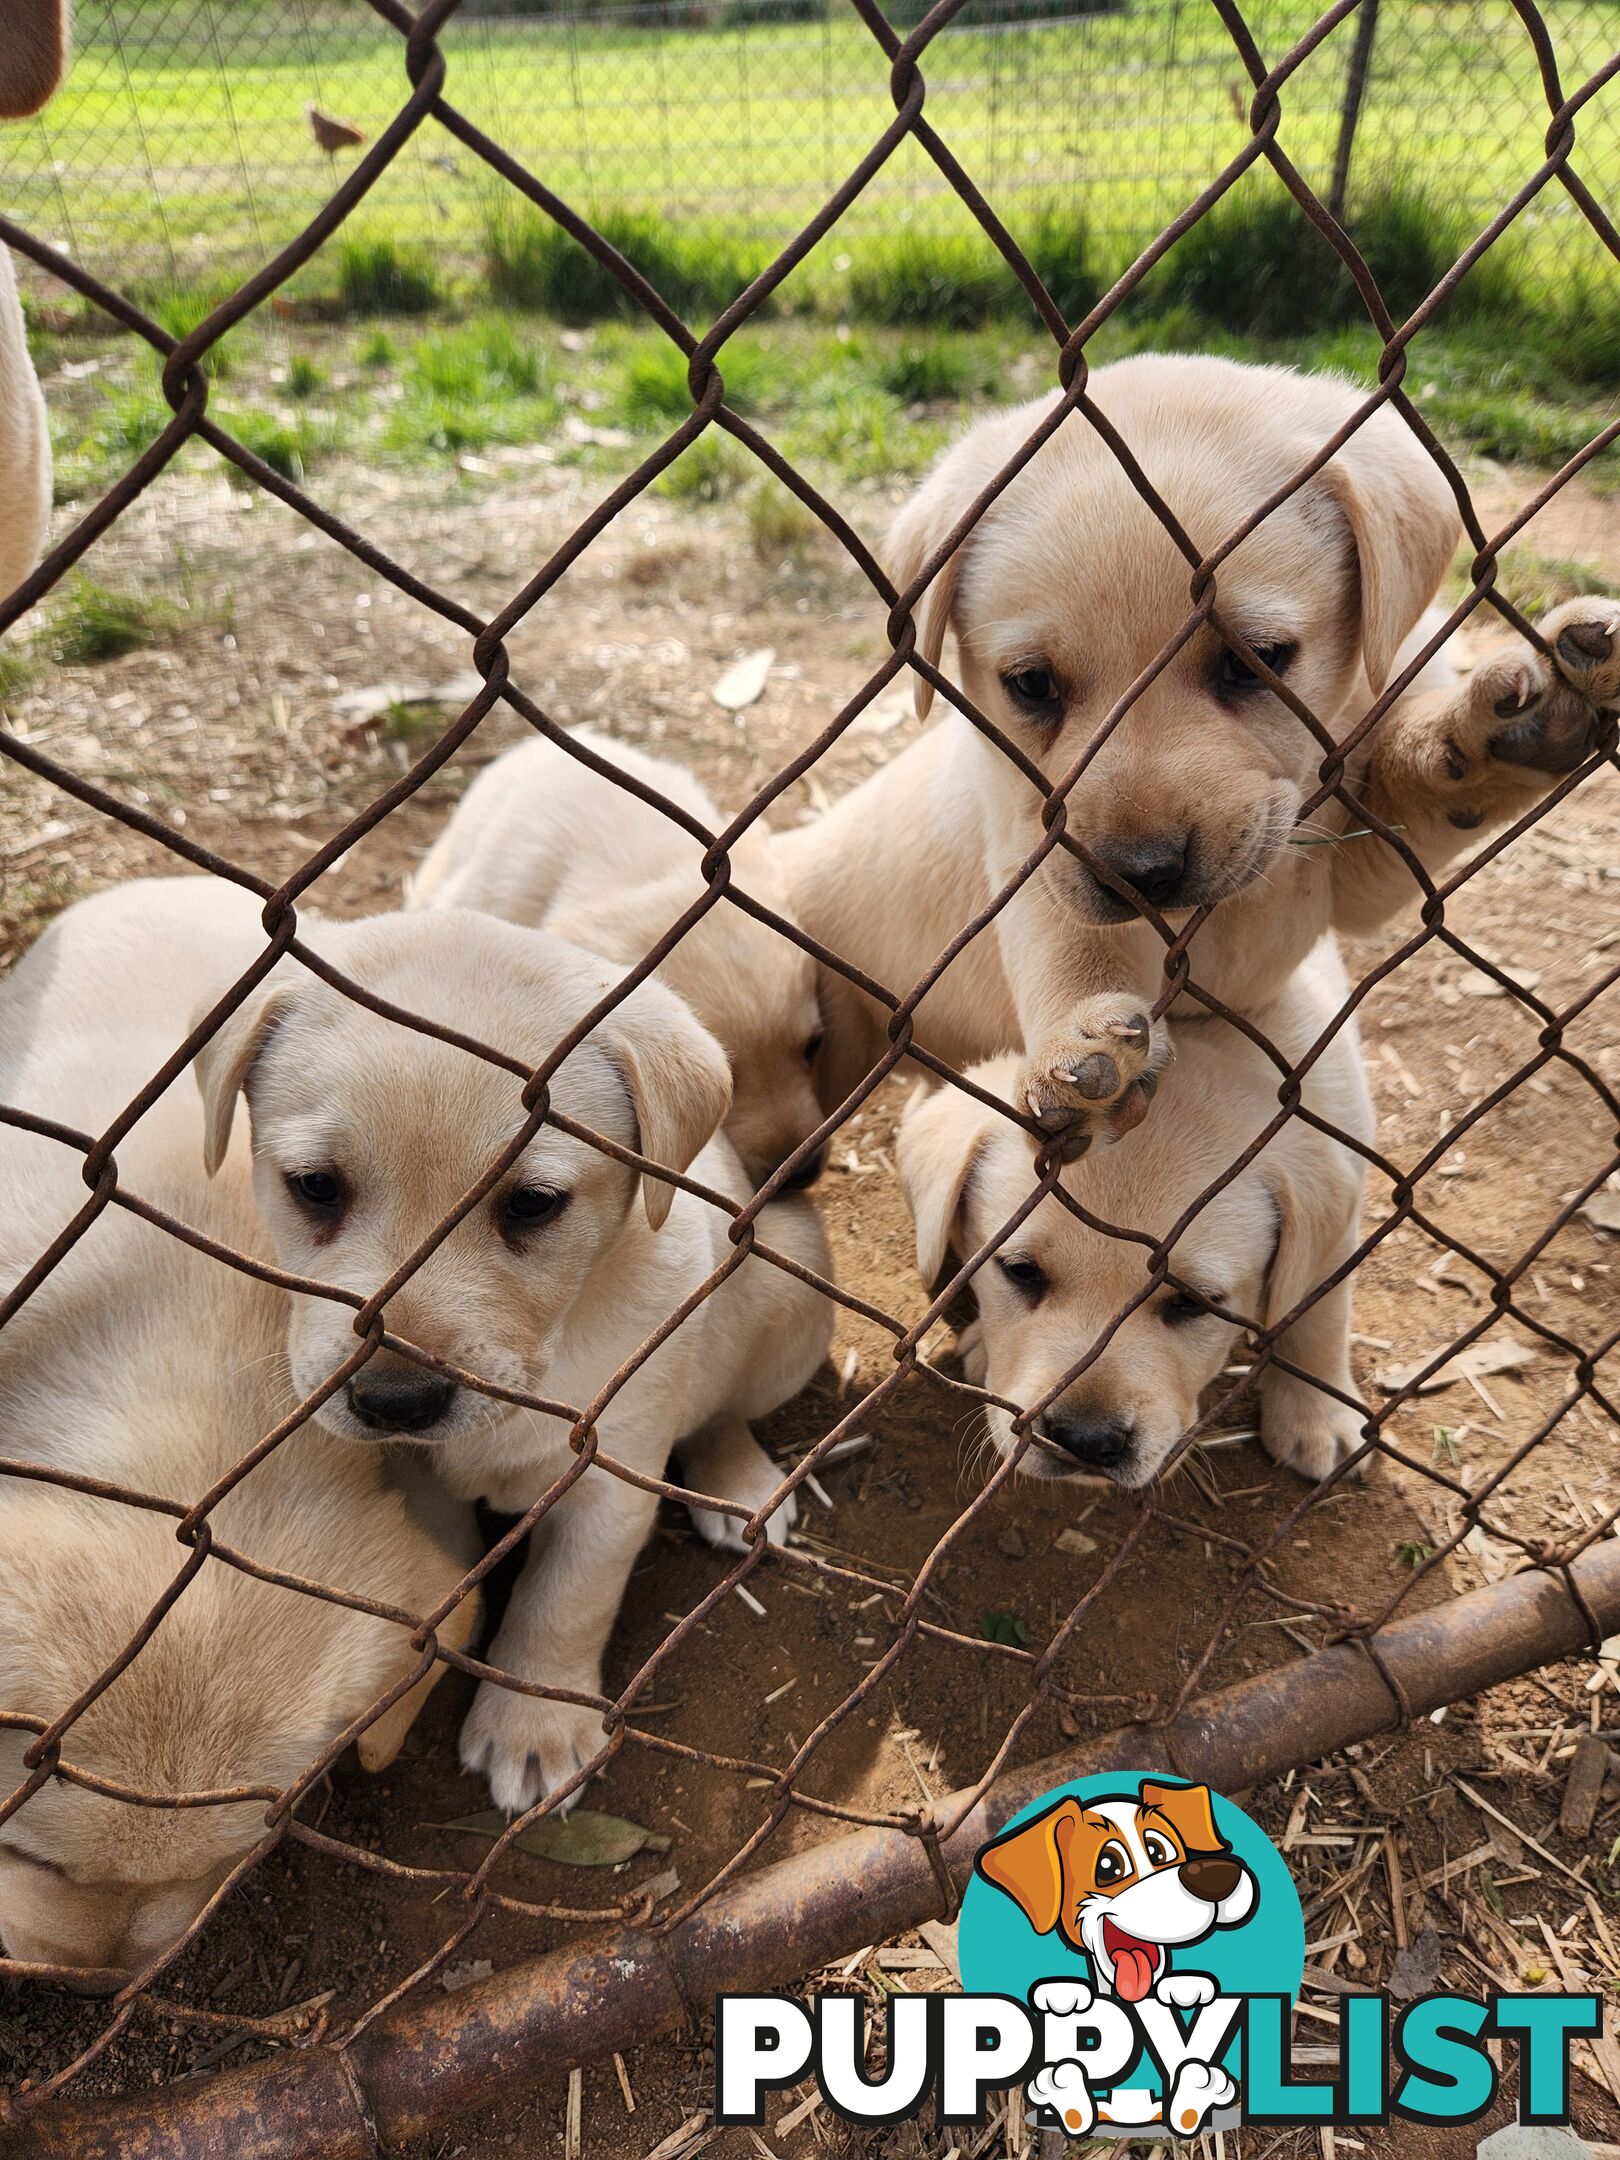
(1134,1964)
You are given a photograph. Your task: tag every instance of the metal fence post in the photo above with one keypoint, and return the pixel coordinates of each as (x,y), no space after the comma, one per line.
(1355,89)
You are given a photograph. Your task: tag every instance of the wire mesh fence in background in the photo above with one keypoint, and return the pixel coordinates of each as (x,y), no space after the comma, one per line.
(423,120)
(182,146)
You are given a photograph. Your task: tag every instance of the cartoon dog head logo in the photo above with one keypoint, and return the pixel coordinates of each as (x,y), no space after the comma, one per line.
(1125,1879)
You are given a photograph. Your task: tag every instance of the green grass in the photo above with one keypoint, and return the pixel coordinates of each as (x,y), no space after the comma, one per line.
(933,370)
(780,528)
(656,391)
(380,275)
(303,378)
(94,622)
(708,471)
(480,384)
(1255,264)
(531,262)
(754,123)
(18,669)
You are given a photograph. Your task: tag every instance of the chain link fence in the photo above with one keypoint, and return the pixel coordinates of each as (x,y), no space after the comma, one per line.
(182,145)
(413,2056)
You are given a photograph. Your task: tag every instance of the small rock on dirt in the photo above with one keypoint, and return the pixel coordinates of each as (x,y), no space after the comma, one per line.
(744,683)
(1532,2141)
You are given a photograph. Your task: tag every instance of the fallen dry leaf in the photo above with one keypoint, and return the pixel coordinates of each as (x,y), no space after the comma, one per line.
(1491,1354)
(583,1839)
(1602,1211)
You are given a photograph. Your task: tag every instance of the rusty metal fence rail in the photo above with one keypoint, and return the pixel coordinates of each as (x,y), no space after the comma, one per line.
(401,2065)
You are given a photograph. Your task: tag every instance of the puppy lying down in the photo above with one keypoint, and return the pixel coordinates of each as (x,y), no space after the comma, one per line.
(141,1362)
(541,839)
(1265,1240)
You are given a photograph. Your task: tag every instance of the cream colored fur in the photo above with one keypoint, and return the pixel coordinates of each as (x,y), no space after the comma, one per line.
(541,839)
(1257,1247)
(141,1362)
(1069,571)
(405,1126)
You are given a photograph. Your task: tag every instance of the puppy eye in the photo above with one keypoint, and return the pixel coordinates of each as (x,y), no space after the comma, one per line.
(1113,1864)
(1027,1276)
(1236,678)
(1159,1850)
(527,1206)
(812,1045)
(320,1192)
(1036,689)
(1177,1311)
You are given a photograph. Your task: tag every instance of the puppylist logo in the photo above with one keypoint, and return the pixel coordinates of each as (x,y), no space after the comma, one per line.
(1131,1947)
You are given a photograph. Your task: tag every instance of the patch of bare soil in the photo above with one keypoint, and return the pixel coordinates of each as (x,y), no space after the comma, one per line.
(237,735)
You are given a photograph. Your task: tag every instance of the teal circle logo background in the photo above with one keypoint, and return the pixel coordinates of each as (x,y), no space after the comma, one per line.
(1001,1954)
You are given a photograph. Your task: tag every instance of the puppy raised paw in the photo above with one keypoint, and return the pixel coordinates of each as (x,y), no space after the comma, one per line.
(1199,2090)
(1065,2090)
(1095,1082)
(1185,1991)
(1062,1998)
(527,1747)
(1520,714)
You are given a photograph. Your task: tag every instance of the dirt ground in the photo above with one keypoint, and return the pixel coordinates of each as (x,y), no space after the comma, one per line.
(237,732)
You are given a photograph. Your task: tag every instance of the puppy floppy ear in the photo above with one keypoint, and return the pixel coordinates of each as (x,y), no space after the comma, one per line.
(941,1138)
(224,1065)
(919,528)
(1404,521)
(679,1085)
(1189,1812)
(1027,1864)
(925,521)
(33,55)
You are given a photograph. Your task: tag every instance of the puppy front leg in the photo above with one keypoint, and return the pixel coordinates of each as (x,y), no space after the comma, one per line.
(1301,1426)
(724,1460)
(1444,763)
(555,1631)
(1084,996)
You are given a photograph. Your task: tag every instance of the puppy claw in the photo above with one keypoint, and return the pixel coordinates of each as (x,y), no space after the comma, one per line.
(1136,1031)
(527,1748)
(1518,694)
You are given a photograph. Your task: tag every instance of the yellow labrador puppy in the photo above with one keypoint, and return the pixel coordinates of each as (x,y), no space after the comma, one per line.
(142,1363)
(33,53)
(1064,594)
(1260,1244)
(541,839)
(367,1134)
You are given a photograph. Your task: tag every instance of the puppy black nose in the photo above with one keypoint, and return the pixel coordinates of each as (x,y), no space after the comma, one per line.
(1156,867)
(808,1171)
(397,1402)
(1097,1443)
(1210,1876)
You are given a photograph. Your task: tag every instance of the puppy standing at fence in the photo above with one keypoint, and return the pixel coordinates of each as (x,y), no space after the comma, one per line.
(1256,1249)
(540,838)
(143,1363)
(33,54)
(1060,598)
(367,1134)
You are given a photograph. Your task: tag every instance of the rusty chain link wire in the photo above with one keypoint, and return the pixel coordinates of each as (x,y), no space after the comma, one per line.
(470,1895)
